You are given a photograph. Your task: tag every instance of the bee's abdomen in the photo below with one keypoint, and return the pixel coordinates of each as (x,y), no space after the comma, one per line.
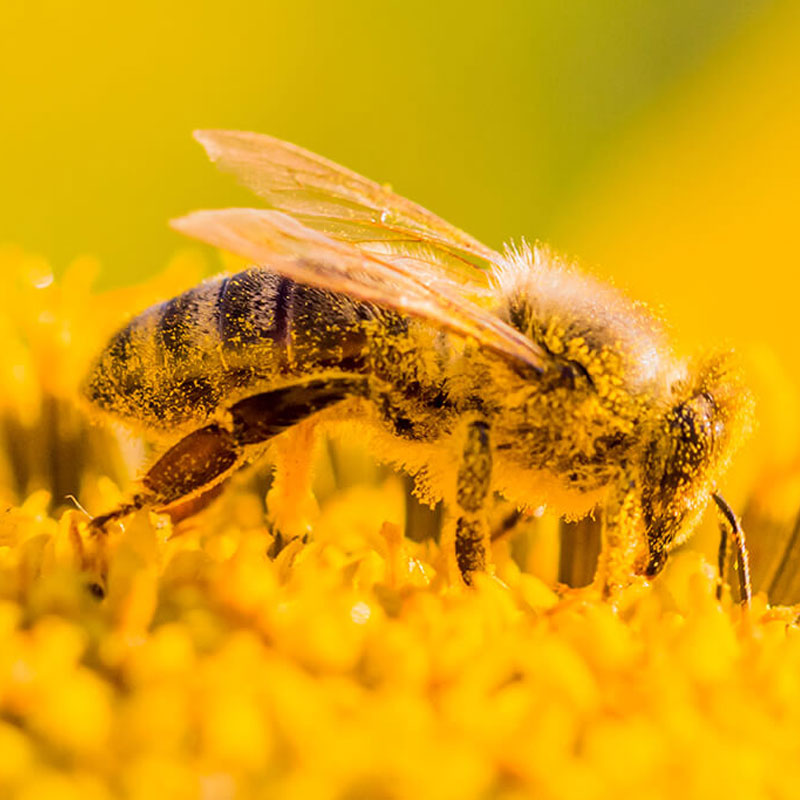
(250,311)
(270,325)
(182,359)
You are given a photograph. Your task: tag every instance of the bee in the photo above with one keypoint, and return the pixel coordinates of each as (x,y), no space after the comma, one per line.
(478,372)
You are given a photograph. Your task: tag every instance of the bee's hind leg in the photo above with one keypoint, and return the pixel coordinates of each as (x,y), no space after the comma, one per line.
(472,538)
(197,463)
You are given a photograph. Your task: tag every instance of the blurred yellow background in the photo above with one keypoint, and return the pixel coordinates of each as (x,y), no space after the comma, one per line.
(656,141)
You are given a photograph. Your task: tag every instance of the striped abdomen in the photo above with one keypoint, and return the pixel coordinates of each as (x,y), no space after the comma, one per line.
(180,360)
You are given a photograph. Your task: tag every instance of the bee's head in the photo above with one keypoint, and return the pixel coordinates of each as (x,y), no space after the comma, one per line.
(691,446)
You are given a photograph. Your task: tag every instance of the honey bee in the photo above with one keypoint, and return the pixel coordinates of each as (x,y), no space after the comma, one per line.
(478,372)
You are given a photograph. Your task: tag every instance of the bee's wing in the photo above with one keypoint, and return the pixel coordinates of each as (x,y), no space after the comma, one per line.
(348,207)
(308,256)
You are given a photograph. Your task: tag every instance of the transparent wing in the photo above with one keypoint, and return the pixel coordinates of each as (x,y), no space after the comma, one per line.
(345,206)
(308,256)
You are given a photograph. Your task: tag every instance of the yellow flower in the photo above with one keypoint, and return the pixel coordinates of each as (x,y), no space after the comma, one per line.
(191,660)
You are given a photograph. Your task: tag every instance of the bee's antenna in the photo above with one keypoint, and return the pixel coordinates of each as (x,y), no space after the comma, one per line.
(745,590)
(722,558)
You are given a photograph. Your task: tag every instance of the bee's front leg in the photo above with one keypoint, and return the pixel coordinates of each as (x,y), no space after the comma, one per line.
(622,539)
(472,488)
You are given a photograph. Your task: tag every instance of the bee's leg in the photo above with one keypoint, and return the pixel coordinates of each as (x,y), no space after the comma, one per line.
(261,417)
(185,509)
(507,526)
(291,503)
(472,487)
(198,460)
(208,455)
(621,540)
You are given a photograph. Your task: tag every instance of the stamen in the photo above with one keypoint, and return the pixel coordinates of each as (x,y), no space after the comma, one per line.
(74,500)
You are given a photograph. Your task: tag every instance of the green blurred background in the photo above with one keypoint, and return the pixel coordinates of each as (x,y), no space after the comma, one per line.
(657,141)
